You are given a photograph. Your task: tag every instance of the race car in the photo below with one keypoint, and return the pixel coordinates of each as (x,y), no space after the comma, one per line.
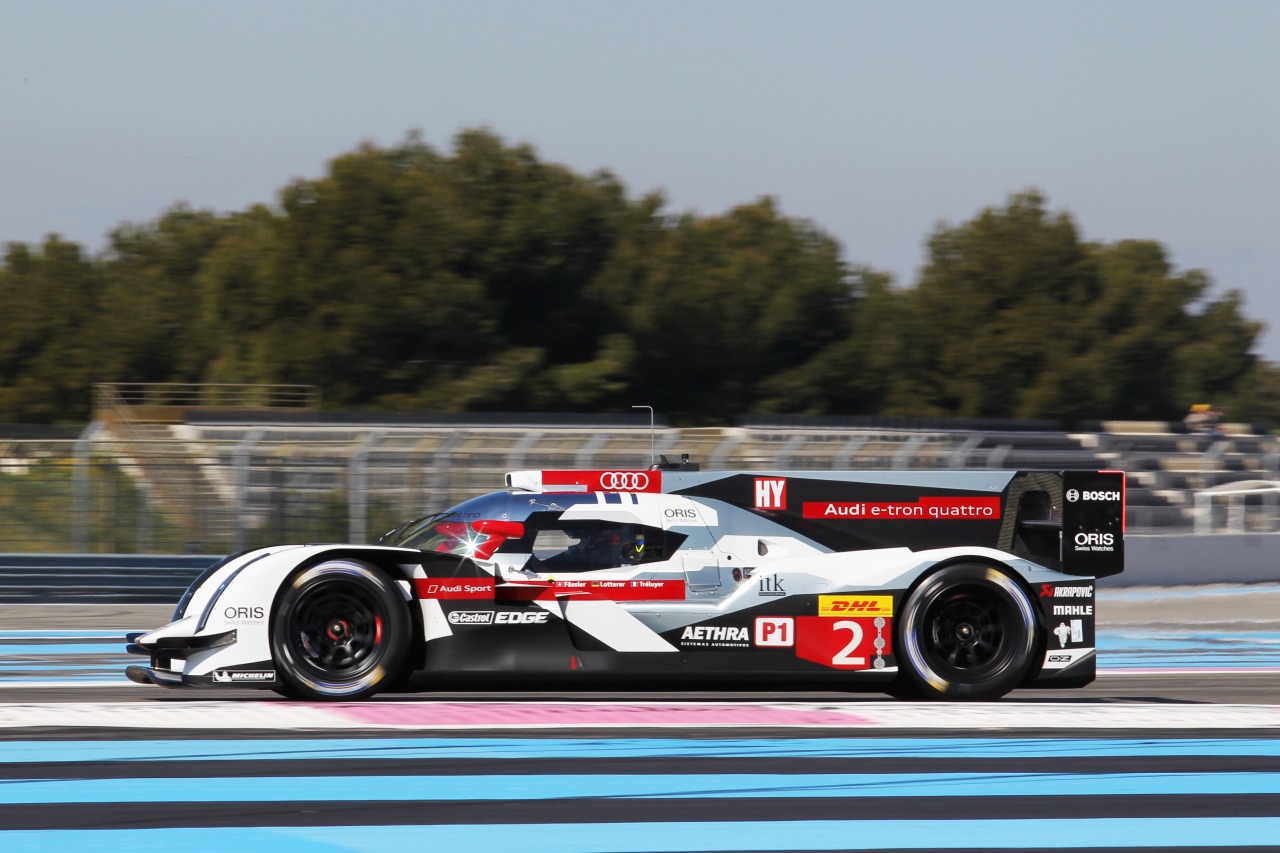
(958,585)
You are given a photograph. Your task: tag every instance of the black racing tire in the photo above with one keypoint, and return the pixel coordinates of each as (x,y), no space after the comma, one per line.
(340,632)
(967,632)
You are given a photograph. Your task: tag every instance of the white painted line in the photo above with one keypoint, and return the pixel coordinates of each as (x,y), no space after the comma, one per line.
(463,716)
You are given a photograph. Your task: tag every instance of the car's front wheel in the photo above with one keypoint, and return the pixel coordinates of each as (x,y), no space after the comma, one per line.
(340,631)
(967,632)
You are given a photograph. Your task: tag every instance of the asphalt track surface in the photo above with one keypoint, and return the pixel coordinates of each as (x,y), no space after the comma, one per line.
(1175,746)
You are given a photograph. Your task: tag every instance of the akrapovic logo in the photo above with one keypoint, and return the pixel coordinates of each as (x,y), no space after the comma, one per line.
(855,605)
(1048,590)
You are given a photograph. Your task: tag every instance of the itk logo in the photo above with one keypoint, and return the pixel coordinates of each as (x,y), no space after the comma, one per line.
(772,586)
(771,493)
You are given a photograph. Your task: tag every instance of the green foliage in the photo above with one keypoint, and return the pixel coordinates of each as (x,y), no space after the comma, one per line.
(34,514)
(49,333)
(486,279)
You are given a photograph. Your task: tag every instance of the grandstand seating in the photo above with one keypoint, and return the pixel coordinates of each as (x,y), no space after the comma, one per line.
(238,481)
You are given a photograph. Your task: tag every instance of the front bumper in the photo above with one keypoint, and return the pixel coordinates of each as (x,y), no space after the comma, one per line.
(175,654)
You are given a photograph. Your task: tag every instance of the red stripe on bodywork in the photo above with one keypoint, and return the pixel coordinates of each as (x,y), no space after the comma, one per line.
(454,588)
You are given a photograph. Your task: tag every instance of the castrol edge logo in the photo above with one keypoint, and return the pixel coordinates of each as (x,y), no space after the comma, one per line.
(602,481)
(855,605)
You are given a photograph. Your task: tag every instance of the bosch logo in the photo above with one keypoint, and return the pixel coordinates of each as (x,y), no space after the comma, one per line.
(1101,496)
(1073,495)
(624,481)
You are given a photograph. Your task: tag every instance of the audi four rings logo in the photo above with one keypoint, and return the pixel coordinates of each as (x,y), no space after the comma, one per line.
(1073,495)
(624,481)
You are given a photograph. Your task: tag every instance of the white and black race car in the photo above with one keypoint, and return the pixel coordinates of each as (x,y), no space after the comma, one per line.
(953,585)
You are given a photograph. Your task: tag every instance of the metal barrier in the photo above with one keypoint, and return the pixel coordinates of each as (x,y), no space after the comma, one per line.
(97,579)
(161,579)
(221,486)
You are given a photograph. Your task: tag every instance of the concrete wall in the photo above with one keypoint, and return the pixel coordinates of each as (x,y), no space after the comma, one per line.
(1181,560)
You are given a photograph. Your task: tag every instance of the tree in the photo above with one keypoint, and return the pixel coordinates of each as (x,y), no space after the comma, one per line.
(50,333)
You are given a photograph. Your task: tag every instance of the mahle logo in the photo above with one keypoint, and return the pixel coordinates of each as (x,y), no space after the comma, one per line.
(855,605)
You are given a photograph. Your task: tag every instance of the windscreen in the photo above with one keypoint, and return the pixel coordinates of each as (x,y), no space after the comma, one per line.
(452,531)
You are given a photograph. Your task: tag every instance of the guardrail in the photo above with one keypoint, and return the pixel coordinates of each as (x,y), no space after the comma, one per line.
(161,579)
(97,578)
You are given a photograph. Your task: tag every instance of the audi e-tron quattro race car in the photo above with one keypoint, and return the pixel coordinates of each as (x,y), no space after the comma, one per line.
(951,585)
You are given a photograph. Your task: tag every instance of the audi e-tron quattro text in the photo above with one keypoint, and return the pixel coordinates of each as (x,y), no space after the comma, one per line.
(952,585)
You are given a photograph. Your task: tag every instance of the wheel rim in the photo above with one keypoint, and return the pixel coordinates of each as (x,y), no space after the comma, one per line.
(964,633)
(335,630)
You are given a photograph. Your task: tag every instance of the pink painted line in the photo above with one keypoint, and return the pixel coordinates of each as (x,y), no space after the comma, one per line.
(566,715)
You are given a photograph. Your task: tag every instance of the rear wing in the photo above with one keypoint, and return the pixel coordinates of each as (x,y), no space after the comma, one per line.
(1093,504)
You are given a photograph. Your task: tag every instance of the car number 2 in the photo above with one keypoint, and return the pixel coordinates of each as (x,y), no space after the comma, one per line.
(845,643)
(842,657)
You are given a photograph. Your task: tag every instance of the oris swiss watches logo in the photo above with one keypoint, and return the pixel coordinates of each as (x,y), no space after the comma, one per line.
(624,481)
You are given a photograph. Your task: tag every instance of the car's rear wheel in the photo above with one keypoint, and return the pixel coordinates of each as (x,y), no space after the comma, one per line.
(967,632)
(340,631)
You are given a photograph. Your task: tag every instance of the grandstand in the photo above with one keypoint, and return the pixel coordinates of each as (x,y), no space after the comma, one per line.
(269,466)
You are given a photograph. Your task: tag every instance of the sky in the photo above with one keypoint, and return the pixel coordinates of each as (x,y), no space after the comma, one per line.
(878,121)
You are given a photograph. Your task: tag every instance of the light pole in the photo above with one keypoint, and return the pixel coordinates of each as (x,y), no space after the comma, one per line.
(650,408)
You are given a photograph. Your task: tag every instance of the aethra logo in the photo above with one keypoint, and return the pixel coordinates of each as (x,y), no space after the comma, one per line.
(771,493)
(624,481)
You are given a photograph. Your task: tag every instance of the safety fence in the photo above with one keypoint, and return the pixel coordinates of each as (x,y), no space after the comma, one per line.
(97,578)
(218,486)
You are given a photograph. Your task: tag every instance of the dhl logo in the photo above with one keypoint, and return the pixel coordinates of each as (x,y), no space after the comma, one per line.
(855,605)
